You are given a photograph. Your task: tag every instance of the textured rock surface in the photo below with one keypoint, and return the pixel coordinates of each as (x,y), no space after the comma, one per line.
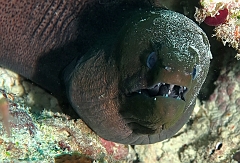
(224,14)
(40,131)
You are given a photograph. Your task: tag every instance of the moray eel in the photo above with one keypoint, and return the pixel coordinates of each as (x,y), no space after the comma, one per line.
(138,88)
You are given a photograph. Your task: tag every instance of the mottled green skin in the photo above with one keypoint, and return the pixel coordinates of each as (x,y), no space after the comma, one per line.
(97,83)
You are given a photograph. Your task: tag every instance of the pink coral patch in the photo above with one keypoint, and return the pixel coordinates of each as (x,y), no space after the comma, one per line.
(217,19)
(118,151)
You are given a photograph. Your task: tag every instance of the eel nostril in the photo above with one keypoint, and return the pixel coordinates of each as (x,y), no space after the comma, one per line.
(168,68)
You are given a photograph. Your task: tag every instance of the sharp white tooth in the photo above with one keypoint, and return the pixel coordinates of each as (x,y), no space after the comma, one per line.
(155,98)
(180,90)
(169,91)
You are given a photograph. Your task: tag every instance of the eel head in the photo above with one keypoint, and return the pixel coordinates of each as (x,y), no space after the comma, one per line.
(144,89)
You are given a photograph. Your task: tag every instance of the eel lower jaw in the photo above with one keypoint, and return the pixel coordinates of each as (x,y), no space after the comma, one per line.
(163,89)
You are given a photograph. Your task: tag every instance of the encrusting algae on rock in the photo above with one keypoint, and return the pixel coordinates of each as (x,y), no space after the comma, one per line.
(225,16)
(49,135)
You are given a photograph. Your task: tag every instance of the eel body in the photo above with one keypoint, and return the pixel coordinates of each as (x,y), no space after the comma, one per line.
(138,82)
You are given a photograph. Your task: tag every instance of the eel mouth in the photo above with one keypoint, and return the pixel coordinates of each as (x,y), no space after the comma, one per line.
(164,90)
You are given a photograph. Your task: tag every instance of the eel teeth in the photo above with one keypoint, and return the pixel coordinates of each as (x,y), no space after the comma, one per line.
(165,90)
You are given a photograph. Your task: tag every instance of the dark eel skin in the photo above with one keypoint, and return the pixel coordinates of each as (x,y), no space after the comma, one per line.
(138,80)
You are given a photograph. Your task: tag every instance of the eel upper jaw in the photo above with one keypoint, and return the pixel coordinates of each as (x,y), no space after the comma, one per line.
(164,90)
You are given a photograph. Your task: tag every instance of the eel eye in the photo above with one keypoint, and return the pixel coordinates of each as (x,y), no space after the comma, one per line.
(151,60)
(195,72)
